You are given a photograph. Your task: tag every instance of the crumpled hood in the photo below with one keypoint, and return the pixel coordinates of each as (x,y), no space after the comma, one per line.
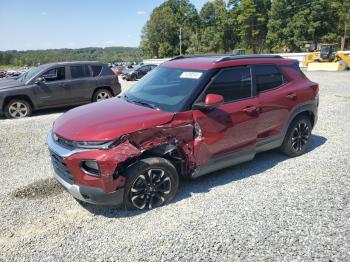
(107,120)
(9,83)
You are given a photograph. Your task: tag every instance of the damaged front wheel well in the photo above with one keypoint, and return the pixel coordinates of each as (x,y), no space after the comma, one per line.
(170,152)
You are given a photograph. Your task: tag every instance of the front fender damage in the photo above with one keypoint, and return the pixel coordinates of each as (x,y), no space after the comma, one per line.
(174,142)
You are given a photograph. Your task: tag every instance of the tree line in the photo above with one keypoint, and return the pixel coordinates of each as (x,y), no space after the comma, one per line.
(257,26)
(36,57)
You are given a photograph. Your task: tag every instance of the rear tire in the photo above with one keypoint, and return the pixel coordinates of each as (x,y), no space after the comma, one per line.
(101,94)
(150,183)
(18,108)
(297,138)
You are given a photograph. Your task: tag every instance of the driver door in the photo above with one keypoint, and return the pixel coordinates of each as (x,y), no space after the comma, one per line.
(227,135)
(54,91)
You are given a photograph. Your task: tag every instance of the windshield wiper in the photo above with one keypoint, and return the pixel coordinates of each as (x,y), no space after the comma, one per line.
(143,103)
(140,102)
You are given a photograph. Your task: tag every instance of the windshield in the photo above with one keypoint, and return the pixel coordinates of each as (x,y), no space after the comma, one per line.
(28,75)
(165,88)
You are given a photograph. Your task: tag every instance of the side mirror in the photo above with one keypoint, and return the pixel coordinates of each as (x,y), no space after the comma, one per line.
(211,101)
(39,80)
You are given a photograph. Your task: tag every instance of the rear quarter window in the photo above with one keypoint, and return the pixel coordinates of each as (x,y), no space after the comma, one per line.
(106,71)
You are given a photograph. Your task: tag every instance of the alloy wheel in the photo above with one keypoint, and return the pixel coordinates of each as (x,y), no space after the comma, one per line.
(150,189)
(18,110)
(300,136)
(102,96)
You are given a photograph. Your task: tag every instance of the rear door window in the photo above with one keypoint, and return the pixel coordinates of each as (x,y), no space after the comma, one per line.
(96,70)
(54,74)
(268,77)
(233,84)
(79,71)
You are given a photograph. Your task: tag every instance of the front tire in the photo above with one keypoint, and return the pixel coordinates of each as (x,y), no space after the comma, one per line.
(151,182)
(297,138)
(18,108)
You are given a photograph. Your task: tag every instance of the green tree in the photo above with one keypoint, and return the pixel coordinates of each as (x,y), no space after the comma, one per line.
(212,29)
(342,7)
(33,57)
(252,19)
(160,35)
(294,22)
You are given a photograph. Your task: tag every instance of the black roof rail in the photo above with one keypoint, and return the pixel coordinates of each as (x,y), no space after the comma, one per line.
(236,57)
(194,56)
(225,57)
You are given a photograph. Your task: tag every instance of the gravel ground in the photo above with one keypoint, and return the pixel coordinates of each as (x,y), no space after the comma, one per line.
(272,208)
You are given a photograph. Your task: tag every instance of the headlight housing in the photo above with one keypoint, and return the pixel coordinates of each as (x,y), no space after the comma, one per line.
(100,145)
(103,145)
(94,145)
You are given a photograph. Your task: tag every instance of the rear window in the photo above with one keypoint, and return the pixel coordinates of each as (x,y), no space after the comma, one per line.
(79,71)
(268,77)
(96,70)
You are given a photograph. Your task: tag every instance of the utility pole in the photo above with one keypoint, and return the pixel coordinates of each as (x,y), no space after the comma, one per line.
(180,37)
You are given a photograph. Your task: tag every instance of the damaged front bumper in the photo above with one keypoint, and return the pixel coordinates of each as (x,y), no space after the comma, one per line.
(90,194)
(64,160)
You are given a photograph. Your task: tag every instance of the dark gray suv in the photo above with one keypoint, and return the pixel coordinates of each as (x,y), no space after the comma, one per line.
(57,85)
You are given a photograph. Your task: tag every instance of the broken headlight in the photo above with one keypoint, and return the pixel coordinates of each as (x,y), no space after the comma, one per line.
(100,145)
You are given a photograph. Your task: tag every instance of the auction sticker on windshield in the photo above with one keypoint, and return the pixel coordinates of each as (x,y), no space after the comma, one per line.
(191,75)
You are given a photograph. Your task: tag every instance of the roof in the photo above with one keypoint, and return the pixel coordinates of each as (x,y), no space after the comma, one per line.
(71,63)
(207,62)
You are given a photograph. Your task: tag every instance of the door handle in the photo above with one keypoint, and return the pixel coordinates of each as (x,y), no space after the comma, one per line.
(292,96)
(63,85)
(251,110)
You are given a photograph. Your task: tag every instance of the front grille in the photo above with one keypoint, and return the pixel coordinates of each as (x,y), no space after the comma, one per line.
(61,168)
(65,142)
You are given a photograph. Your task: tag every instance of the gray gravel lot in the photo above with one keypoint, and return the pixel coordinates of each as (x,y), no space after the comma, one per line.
(272,208)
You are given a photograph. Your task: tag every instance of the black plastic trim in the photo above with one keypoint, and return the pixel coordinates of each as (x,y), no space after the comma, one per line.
(99,197)
(224,161)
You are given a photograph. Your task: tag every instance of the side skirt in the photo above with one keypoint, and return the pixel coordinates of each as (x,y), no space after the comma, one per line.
(269,143)
(224,161)
(237,157)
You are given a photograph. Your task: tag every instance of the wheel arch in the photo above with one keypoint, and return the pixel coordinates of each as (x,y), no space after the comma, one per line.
(103,87)
(23,97)
(170,152)
(308,110)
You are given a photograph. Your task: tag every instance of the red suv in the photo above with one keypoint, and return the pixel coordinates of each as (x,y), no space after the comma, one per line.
(188,117)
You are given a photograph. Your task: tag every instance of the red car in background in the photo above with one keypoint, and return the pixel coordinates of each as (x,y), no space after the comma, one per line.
(118,70)
(189,117)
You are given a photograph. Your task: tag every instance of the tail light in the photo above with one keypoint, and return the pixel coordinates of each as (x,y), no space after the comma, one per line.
(116,79)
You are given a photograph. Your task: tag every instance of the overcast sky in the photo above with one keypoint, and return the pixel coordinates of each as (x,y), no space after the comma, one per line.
(39,24)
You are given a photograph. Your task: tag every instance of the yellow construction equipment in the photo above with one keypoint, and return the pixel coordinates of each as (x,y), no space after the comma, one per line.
(327,59)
